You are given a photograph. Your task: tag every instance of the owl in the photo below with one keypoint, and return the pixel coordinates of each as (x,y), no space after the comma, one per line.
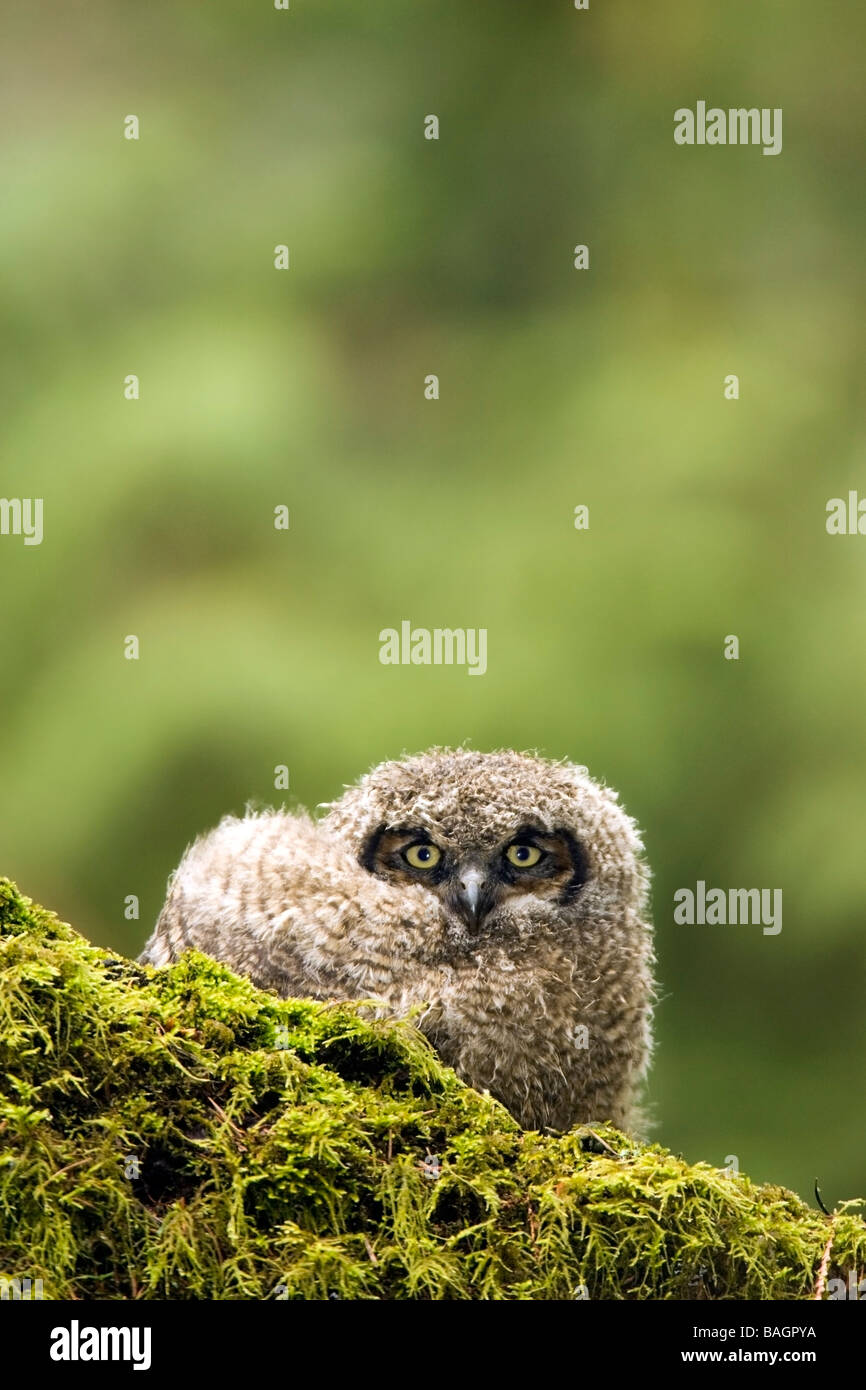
(500,898)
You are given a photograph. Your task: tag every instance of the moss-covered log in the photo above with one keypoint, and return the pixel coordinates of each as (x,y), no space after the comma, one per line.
(180,1134)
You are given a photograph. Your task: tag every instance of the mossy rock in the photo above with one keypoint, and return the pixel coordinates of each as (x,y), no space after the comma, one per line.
(179,1134)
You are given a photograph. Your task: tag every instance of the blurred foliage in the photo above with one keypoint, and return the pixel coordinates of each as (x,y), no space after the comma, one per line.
(558,387)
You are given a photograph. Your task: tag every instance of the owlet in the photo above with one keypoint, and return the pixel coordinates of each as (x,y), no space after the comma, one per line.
(503,895)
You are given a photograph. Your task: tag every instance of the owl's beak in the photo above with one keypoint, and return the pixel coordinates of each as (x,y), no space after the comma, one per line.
(471,899)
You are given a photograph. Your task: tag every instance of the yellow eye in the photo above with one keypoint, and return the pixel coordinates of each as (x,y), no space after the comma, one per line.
(522,856)
(422,856)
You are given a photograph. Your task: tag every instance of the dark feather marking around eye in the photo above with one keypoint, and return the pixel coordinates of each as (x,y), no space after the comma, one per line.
(580,861)
(561,854)
(367,857)
(577,856)
(379,860)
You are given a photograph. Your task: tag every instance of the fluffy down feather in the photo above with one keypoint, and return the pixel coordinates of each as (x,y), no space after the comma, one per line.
(548,1007)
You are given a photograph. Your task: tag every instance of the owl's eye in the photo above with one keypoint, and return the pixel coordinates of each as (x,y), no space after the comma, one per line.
(522,856)
(422,856)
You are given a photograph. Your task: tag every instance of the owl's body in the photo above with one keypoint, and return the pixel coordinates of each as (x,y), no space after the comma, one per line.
(503,895)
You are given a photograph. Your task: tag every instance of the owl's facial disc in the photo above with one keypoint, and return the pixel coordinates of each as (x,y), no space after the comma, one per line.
(473,883)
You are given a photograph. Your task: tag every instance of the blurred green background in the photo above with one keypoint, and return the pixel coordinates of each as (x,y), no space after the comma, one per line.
(558,387)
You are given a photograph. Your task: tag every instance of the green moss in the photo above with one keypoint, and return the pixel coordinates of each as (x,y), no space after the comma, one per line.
(180,1134)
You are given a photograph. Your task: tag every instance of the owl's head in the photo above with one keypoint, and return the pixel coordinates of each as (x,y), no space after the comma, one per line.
(501,839)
